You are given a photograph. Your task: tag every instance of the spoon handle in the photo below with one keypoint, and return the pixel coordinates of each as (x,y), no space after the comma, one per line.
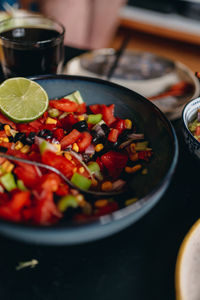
(41,165)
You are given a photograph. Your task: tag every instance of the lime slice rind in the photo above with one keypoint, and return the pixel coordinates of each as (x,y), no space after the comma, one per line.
(22,100)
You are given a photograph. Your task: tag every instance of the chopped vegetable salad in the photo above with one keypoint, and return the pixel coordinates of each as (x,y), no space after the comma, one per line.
(91,146)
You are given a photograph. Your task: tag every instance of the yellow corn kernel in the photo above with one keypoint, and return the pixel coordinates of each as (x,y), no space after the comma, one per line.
(132,148)
(7,166)
(101,203)
(58,147)
(81,170)
(130,201)
(133,169)
(128,124)
(133,156)
(81,118)
(81,200)
(18,145)
(75,147)
(68,156)
(106,186)
(75,170)
(94,182)
(25,149)
(144,171)
(99,147)
(7,130)
(51,121)
(5,139)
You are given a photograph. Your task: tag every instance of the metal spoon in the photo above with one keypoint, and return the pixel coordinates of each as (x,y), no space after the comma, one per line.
(41,165)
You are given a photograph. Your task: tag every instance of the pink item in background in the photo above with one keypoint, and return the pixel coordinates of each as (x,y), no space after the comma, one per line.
(89,24)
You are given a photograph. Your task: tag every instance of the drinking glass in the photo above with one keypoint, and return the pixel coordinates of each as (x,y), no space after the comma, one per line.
(31,45)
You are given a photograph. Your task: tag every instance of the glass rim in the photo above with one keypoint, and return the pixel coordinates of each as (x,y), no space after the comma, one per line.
(28,43)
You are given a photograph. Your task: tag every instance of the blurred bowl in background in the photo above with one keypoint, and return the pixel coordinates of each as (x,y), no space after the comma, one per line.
(189,115)
(145,73)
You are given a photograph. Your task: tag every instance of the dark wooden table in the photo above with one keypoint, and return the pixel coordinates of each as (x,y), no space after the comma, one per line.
(137,263)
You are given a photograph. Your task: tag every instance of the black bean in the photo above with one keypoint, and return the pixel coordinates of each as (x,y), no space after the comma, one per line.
(3,149)
(45,134)
(30,138)
(105,128)
(20,136)
(96,138)
(124,135)
(11,139)
(86,157)
(1,126)
(81,126)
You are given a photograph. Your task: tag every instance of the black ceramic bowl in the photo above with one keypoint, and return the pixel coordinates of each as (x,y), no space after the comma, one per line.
(149,188)
(190,114)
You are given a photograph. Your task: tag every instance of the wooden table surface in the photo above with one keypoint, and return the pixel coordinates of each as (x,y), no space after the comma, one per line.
(185,52)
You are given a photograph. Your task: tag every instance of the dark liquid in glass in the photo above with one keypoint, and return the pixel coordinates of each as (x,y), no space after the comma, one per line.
(32,58)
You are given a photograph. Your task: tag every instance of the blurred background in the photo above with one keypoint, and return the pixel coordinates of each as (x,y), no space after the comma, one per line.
(162,40)
(164,27)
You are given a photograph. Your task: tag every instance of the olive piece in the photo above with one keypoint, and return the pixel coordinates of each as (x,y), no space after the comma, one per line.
(20,136)
(81,126)
(45,134)
(30,138)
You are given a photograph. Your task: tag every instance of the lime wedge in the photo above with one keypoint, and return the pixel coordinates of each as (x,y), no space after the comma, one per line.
(22,100)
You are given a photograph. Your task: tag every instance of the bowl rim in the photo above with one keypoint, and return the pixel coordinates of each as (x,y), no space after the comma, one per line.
(125,211)
(185,124)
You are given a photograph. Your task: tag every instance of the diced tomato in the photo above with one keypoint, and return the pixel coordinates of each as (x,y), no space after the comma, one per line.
(71,138)
(49,126)
(11,210)
(63,189)
(113,135)
(197,132)
(3,134)
(26,128)
(46,211)
(68,122)
(64,105)
(7,213)
(58,134)
(28,174)
(84,141)
(35,156)
(98,160)
(35,124)
(44,117)
(6,145)
(5,120)
(108,114)
(50,182)
(119,124)
(109,208)
(3,198)
(19,200)
(60,162)
(81,108)
(114,162)
(96,108)
(144,155)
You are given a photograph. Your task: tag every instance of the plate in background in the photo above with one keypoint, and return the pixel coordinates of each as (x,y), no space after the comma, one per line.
(143,72)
